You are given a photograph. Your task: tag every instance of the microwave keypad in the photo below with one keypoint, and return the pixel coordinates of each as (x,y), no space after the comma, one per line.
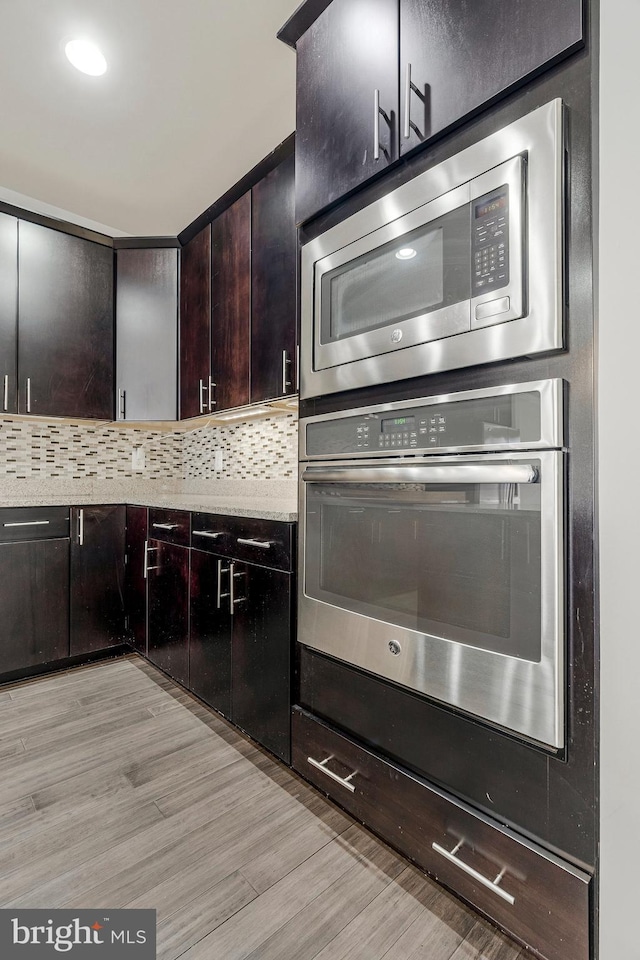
(490,242)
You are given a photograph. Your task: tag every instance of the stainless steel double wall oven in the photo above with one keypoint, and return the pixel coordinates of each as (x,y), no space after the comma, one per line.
(432,530)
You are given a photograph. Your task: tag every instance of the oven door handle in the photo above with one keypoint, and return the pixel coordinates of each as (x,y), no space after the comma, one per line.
(449,473)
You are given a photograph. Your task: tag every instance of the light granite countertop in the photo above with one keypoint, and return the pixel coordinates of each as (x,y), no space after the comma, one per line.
(267,501)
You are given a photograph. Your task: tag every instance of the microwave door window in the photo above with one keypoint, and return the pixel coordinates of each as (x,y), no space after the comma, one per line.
(408,277)
(460,562)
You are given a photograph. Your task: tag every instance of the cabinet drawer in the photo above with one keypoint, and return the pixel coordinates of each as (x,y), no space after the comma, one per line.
(33,523)
(265,542)
(533,895)
(172,526)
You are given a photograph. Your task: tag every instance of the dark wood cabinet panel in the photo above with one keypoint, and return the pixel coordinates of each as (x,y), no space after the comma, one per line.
(66,324)
(168,609)
(273,284)
(8,313)
(135,577)
(231,305)
(261,655)
(34,603)
(210,631)
(550,908)
(195,324)
(174,526)
(97,578)
(463,54)
(347,54)
(265,542)
(146,333)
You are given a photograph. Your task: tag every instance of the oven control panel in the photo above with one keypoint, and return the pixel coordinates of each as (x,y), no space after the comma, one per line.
(485,422)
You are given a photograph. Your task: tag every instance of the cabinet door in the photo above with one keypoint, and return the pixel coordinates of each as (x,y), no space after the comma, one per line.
(261,655)
(273,284)
(463,55)
(135,577)
(195,324)
(346,55)
(65,332)
(146,334)
(168,602)
(34,603)
(231,305)
(97,578)
(210,631)
(8,313)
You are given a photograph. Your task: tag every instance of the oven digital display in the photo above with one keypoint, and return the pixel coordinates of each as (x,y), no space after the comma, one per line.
(398,424)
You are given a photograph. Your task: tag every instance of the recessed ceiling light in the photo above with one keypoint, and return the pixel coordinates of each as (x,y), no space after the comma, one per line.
(85,56)
(406,253)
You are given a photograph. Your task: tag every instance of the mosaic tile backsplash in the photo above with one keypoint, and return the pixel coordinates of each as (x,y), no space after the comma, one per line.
(263,449)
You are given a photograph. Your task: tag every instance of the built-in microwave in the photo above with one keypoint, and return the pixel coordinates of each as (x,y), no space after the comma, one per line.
(460,266)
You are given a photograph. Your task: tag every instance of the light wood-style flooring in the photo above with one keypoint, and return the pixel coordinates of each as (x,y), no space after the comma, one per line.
(119,789)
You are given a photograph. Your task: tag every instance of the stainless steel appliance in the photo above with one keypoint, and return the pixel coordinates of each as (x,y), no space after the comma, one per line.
(460,266)
(432,549)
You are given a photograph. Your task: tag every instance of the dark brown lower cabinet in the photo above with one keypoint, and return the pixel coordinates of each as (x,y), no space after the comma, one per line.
(210,634)
(136,578)
(261,654)
(540,899)
(168,605)
(34,603)
(97,578)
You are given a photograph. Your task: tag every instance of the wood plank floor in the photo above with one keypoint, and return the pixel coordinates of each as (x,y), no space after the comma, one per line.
(119,789)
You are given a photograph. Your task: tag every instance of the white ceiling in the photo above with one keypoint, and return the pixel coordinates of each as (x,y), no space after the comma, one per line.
(197,92)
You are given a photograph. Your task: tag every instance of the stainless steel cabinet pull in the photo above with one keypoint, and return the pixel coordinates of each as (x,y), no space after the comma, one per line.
(81,527)
(263,544)
(6,392)
(343,781)
(492,885)
(376,124)
(147,551)
(451,473)
(203,389)
(233,600)
(407,103)
(285,361)
(166,526)
(206,533)
(28,394)
(122,404)
(27,523)
(298,368)
(212,387)
(220,594)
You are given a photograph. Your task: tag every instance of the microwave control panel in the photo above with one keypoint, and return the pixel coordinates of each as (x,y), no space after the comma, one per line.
(490,241)
(512,419)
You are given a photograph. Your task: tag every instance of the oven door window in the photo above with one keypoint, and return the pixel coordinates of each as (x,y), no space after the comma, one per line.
(458,561)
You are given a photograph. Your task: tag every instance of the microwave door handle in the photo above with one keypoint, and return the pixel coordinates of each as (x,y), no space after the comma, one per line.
(449,473)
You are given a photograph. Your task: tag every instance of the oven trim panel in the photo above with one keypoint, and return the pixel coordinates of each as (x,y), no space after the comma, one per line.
(539,137)
(519,696)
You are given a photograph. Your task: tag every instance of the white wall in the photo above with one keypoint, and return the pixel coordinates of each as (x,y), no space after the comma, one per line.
(619,477)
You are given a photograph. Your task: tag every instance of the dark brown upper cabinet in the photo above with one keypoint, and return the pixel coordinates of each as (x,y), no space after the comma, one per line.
(8,313)
(65,325)
(195,325)
(231,305)
(455,58)
(273,284)
(346,100)
(146,333)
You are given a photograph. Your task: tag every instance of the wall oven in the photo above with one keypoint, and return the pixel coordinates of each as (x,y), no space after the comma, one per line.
(461,265)
(432,550)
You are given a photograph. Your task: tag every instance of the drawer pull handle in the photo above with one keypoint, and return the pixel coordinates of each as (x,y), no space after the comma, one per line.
(343,781)
(263,544)
(207,533)
(493,885)
(27,523)
(166,526)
